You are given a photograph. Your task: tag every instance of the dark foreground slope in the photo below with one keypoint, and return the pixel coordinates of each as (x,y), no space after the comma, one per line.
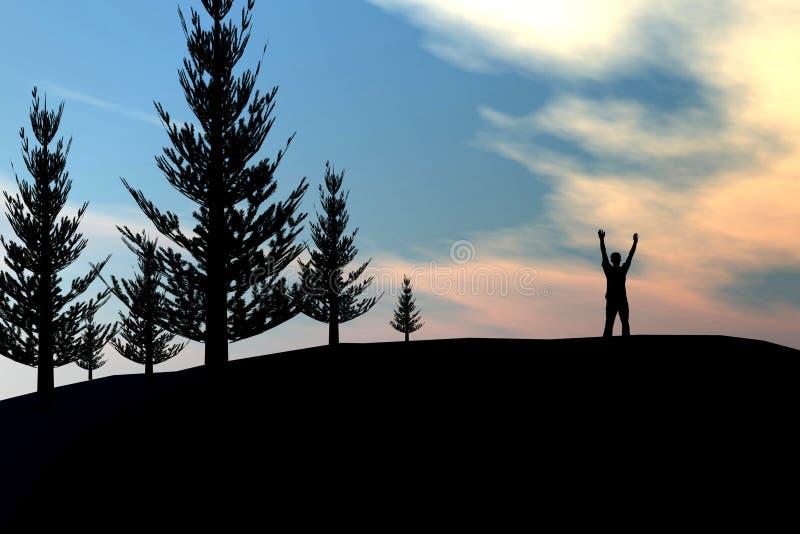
(482,430)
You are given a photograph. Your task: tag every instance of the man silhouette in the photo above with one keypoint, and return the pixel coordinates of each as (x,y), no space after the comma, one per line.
(616,298)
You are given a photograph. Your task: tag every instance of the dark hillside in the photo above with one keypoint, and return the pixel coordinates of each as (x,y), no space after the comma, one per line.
(479,429)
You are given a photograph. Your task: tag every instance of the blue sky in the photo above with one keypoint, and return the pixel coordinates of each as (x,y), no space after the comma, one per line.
(518,127)
(358,92)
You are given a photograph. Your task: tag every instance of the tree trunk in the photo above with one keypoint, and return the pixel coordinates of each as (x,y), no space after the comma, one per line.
(216,325)
(90,374)
(216,353)
(45,380)
(216,295)
(333,322)
(148,348)
(406,336)
(148,364)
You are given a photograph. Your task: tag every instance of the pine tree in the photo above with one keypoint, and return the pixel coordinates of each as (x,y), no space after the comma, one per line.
(43,324)
(331,296)
(143,338)
(230,288)
(93,341)
(406,315)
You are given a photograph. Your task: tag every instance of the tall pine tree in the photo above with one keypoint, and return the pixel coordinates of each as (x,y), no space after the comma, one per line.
(406,315)
(230,288)
(42,323)
(332,296)
(93,341)
(142,337)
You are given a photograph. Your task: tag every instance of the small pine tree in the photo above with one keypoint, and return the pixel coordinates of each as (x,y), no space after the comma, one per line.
(143,338)
(93,341)
(332,297)
(406,315)
(42,322)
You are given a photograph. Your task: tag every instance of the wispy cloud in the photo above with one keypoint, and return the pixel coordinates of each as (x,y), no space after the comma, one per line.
(99,103)
(569,35)
(711,186)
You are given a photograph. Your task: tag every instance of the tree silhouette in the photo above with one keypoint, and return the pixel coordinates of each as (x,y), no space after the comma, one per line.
(332,297)
(93,341)
(406,315)
(42,324)
(231,287)
(142,337)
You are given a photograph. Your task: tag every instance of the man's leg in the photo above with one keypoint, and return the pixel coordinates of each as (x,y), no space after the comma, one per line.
(611,314)
(624,315)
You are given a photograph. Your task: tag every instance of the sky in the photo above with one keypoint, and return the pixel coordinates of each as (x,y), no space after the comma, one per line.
(484,144)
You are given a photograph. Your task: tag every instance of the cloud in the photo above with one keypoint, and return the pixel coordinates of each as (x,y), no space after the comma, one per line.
(710,182)
(616,128)
(98,103)
(569,35)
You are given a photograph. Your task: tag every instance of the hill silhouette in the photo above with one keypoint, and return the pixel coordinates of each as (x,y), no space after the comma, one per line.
(479,429)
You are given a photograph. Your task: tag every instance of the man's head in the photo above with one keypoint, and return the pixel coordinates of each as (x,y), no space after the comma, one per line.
(616,258)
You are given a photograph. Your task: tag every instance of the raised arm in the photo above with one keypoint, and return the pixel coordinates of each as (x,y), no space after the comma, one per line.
(633,249)
(602,235)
